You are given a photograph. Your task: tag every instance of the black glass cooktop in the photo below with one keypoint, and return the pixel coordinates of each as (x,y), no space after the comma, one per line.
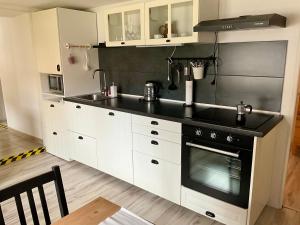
(227,117)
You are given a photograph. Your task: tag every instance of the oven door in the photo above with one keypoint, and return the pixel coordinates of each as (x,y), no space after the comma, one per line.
(219,171)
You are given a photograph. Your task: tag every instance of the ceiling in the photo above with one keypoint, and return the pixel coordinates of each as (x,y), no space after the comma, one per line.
(16,7)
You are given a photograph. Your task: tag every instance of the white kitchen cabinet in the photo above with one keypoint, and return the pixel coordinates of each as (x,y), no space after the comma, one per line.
(82,118)
(52,30)
(46,41)
(124,26)
(115,144)
(157,176)
(172,21)
(206,205)
(53,128)
(82,148)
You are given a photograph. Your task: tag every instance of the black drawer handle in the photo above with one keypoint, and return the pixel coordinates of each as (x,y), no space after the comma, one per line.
(153,161)
(154,123)
(123,43)
(78,107)
(153,132)
(80,138)
(54,133)
(58,67)
(154,142)
(210,214)
(168,40)
(111,114)
(52,106)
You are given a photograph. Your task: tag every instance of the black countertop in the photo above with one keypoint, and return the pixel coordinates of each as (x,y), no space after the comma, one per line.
(197,115)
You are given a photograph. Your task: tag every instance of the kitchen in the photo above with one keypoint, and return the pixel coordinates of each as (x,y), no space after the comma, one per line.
(265,62)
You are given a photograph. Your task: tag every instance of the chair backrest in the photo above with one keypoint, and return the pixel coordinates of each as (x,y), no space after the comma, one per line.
(16,190)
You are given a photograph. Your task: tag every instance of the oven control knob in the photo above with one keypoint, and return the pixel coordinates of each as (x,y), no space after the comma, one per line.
(213,135)
(229,139)
(198,132)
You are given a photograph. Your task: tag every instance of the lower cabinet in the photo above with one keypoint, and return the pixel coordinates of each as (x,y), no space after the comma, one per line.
(54,142)
(157,176)
(82,148)
(115,144)
(213,208)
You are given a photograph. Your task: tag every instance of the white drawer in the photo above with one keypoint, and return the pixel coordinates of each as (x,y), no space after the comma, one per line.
(165,150)
(224,212)
(157,176)
(157,123)
(156,133)
(82,148)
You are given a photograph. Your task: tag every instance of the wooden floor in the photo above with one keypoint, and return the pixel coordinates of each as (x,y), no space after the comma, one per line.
(13,142)
(84,184)
(292,189)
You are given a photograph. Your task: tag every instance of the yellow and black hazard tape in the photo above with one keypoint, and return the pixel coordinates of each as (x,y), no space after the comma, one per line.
(22,155)
(3,126)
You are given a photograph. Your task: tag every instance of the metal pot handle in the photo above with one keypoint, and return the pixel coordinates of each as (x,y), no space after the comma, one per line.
(249,107)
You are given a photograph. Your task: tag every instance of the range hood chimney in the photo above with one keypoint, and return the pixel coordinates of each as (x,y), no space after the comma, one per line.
(242,22)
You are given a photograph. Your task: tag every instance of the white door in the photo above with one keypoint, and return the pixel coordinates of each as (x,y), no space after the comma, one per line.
(115,144)
(46,41)
(171,21)
(125,26)
(82,148)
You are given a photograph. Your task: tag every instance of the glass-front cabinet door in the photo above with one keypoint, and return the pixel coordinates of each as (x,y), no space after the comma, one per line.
(171,21)
(124,26)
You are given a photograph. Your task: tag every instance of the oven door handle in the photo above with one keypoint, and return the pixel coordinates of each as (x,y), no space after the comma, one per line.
(236,155)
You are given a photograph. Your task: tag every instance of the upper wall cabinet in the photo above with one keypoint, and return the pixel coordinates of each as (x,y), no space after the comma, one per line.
(171,21)
(46,41)
(159,22)
(125,25)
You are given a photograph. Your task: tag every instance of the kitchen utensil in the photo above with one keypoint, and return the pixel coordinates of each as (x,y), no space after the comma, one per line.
(241,113)
(151,91)
(173,86)
(169,68)
(86,63)
(242,108)
(186,71)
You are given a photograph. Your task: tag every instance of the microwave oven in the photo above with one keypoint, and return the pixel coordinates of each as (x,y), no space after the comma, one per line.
(56,85)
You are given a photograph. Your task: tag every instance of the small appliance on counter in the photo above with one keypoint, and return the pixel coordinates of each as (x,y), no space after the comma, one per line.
(113,91)
(56,84)
(241,112)
(188,87)
(151,91)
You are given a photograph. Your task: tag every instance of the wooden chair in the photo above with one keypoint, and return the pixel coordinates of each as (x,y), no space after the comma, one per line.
(27,186)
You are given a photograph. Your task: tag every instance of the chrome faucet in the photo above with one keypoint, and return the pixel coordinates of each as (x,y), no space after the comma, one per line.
(104,89)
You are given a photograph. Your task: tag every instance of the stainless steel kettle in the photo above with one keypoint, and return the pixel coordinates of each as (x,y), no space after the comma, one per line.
(151,91)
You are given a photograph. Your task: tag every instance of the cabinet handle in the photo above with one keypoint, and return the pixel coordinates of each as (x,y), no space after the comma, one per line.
(153,132)
(154,122)
(52,106)
(58,67)
(80,138)
(153,161)
(210,214)
(111,114)
(168,40)
(78,107)
(154,142)
(54,133)
(123,43)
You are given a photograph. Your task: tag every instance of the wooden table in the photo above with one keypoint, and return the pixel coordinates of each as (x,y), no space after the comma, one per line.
(91,214)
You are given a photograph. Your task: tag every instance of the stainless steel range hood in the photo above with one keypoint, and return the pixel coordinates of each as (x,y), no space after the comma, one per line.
(242,22)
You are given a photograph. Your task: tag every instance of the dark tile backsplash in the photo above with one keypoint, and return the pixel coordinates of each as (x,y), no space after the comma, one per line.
(252,72)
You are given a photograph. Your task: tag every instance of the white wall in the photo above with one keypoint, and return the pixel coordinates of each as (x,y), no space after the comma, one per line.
(2,106)
(20,80)
(290,9)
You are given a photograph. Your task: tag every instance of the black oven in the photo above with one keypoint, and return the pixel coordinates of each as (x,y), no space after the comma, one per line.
(217,164)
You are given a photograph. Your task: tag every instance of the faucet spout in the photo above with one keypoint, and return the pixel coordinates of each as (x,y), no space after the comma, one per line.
(95,71)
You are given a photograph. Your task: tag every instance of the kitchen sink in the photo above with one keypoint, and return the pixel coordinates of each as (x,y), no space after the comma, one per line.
(93,97)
